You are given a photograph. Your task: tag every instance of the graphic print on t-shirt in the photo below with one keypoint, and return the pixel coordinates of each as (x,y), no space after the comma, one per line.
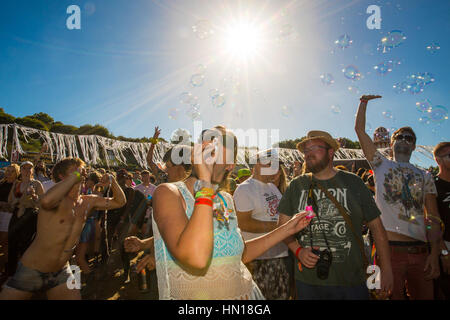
(272,202)
(405,186)
(329,221)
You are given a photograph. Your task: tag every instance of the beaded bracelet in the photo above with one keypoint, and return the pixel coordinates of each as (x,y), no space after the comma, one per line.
(204,193)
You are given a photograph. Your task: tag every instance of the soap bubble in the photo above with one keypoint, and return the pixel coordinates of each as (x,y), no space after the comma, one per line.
(343,41)
(424,105)
(203,29)
(369,127)
(351,72)
(218,100)
(200,69)
(354,90)
(197,80)
(401,87)
(285,31)
(173,113)
(327,79)
(438,114)
(285,111)
(193,113)
(213,92)
(335,109)
(89,8)
(434,47)
(384,68)
(387,114)
(391,40)
(186,97)
(424,120)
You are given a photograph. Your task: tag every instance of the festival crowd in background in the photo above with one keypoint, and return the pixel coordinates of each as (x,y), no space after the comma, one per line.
(215,230)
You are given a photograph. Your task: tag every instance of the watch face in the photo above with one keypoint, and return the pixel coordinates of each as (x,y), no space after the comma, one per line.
(444,252)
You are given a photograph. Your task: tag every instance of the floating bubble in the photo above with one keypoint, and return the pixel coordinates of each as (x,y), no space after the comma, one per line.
(434,47)
(384,68)
(354,90)
(352,73)
(197,80)
(89,8)
(193,113)
(391,40)
(392,130)
(416,87)
(285,31)
(343,41)
(285,111)
(200,69)
(218,100)
(387,114)
(369,127)
(203,29)
(186,97)
(213,92)
(423,106)
(438,114)
(401,87)
(335,109)
(424,120)
(327,79)
(173,113)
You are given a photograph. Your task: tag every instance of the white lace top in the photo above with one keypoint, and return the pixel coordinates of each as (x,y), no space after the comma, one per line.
(225,278)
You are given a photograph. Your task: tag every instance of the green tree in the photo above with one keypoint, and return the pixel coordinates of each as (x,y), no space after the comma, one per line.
(5,117)
(59,127)
(45,118)
(32,123)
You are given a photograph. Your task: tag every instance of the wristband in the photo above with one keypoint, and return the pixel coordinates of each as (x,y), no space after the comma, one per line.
(204,201)
(297,252)
(205,193)
(364,100)
(153,141)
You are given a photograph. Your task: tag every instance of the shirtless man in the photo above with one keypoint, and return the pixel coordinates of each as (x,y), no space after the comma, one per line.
(63,211)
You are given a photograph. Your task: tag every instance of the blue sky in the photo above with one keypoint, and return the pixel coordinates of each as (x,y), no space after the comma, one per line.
(131,60)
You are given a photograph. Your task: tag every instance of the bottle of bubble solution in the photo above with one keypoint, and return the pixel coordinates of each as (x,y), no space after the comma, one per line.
(143,286)
(310,211)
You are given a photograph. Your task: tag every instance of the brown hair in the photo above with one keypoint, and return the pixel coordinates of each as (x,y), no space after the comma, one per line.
(61,167)
(403,129)
(282,185)
(439,147)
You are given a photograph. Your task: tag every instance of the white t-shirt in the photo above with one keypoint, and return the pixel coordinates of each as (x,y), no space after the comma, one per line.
(146,191)
(47,185)
(400,195)
(262,199)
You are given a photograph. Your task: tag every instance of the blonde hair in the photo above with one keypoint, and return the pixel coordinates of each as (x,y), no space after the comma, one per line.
(16,171)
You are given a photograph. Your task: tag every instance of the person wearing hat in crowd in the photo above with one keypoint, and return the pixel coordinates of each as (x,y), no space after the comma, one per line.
(256,202)
(329,252)
(24,198)
(406,196)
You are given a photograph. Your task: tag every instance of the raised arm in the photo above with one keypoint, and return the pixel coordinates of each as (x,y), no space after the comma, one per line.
(118,199)
(150,162)
(366,142)
(53,197)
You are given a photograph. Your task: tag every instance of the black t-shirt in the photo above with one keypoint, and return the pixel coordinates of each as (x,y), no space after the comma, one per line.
(443,200)
(5,188)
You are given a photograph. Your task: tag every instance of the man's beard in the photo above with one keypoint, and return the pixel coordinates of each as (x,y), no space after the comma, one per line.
(319,166)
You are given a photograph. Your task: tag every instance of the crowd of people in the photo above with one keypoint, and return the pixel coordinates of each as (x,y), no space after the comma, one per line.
(213,230)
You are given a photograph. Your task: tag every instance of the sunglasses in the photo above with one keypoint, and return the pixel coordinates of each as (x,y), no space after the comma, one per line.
(404,137)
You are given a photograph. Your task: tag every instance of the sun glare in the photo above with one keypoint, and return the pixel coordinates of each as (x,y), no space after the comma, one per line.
(243,40)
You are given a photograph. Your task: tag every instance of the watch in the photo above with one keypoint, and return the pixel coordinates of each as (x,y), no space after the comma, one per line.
(444,253)
(200,184)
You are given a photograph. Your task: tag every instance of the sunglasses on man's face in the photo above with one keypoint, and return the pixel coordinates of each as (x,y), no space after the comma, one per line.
(405,137)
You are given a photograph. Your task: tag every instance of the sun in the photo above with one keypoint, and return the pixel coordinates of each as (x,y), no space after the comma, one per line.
(243,40)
